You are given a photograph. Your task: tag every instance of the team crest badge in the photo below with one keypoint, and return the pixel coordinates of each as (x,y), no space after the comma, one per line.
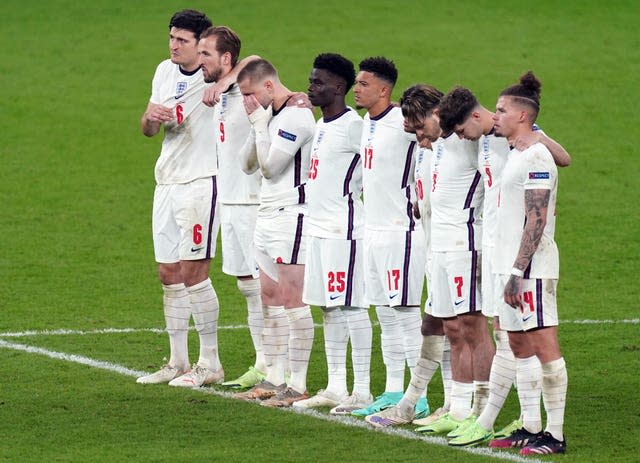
(181,87)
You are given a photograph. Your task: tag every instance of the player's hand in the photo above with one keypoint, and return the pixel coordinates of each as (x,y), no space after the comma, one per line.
(258,116)
(522,142)
(512,292)
(299,100)
(212,95)
(158,113)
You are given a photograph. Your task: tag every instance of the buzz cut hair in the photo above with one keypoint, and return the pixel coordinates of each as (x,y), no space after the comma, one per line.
(337,65)
(227,41)
(381,67)
(257,70)
(526,92)
(419,101)
(456,107)
(190,20)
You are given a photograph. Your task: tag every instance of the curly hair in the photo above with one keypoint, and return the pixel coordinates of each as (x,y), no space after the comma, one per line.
(337,65)
(381,67)
(190,20)
(456,107)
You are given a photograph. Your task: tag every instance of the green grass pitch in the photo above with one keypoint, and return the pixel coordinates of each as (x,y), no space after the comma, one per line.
(76,186)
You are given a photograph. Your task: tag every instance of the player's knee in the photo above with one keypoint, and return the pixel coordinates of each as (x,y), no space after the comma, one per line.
(249,287)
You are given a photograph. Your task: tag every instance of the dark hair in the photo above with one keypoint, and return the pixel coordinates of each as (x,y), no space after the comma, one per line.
(418,101)
(381,67)
(190,20)
(526,92)
(456,107)
(337,65)
(257,70)
(227,41)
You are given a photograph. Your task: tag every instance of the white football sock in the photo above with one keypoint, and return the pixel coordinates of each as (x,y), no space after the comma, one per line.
(461,395)
(480,397)
(336,339)
(446,372)
(250,289)
(360,333)
(275,341)
(503,374)
(430,355)
(300,344)
(529,379)
(410,322)
(554,395)
(177,312)
(205,311)
(392,348)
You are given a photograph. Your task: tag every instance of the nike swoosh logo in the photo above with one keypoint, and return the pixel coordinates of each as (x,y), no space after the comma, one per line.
(393,295)
(524,319)
(333,297)
(177,97)
(197,249)
(457,303)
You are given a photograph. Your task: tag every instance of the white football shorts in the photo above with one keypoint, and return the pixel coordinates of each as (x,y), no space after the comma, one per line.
(394,267)
(455,282)
(237,226)
(280,238)
(538,308)
(333,273)
(185,221)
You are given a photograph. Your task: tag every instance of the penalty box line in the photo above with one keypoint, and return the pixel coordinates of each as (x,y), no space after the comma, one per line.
(344,420)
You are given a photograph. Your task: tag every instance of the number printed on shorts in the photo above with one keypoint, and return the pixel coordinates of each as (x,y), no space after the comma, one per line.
(336,282)
(368,157)
(179,115)
(313,168)
(222,131)
(487,170)
(527,296)
(197,234)
(435,180)
(459,282)
(393,279)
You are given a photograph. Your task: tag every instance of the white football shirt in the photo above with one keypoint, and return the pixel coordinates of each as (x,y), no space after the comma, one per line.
(492,156)
(232,128)
(291,131)
(388,164)
(188,148)
(423,191)
(456,196)
(531,169)
(334,186)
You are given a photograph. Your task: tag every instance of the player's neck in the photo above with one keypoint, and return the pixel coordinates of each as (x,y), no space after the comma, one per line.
(333,109)
(521,130)
(189,67)
(280,96)
(487,121)
(379,107)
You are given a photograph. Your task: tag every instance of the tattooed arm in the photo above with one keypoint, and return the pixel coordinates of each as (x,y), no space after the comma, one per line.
(536,204)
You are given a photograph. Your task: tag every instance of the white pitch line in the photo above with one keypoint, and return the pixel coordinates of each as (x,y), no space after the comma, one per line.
(64,332)
(344,420)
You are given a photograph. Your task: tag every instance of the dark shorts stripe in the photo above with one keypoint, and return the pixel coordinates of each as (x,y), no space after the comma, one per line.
(473,303)
(212,216)
(539,306)
(352,263)
(297,239)
(405,269)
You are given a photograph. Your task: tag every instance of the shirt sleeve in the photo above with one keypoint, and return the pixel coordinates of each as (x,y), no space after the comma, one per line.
(354,132)
(540,171)
(294,128)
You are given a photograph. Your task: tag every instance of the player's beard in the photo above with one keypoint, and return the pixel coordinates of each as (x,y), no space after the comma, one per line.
(213,77)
